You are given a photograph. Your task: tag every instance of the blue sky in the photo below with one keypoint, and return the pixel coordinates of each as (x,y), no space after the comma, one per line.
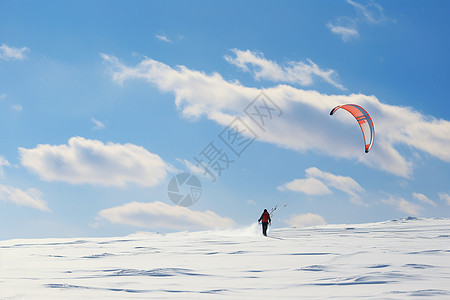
(103,102)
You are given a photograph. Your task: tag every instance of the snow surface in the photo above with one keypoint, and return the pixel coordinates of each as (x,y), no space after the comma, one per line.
(388,260)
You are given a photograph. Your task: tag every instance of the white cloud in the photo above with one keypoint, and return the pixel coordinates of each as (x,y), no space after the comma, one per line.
(294,72)
(3,96)
(347,30)
(444,197)
(93,162)
(161,215)
(343,183)
(305,220)
(318,183)
(163,37)
(3,163)
(30,197)
(403,206)
(11,53)
(98,125)
(305,124)
(196,93)
(17,107)
(309,186)
(423,198)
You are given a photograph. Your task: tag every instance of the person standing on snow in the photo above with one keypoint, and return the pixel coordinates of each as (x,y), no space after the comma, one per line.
(265,218)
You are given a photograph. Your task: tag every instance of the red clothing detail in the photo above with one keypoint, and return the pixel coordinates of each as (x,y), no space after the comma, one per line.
(265,217)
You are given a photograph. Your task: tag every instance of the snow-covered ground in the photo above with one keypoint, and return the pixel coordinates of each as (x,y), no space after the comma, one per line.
(388,260)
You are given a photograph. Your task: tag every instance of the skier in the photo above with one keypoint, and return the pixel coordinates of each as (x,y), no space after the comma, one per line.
(265,218)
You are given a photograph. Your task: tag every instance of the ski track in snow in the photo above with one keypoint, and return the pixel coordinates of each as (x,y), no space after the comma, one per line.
(388,260)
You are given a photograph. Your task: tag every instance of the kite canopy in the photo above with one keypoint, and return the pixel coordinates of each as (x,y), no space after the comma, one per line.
(364,121)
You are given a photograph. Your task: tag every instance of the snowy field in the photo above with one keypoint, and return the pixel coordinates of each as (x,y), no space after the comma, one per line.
(407,258)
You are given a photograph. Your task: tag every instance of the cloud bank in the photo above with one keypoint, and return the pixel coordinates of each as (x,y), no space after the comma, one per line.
(91,161)
(318,182)
(306,124)
(161,215)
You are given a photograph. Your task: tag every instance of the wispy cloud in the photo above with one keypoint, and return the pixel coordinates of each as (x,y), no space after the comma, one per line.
(319,183)
(194,169)
(163,37)
(403,205)
(305,220)
(98,125)
(10,53)
(346,27)
(30,197)
(371,12)
(444,197)
(91,161)
(305,115)
(296,72)
(17,107)
(161,215)
(3,163)
(424,199)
